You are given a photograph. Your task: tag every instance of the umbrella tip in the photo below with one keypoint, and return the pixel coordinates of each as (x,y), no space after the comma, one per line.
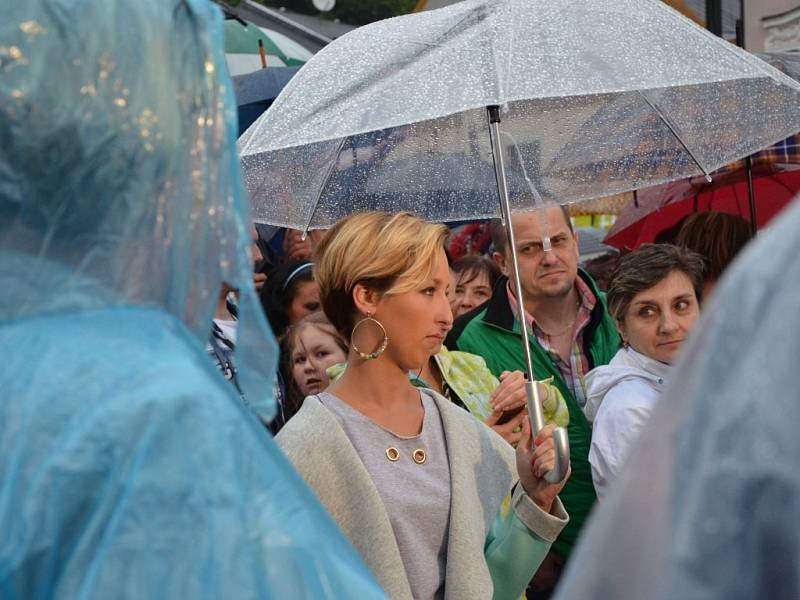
(708,178)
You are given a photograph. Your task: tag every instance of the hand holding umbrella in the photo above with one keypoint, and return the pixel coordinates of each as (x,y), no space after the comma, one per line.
(536,459)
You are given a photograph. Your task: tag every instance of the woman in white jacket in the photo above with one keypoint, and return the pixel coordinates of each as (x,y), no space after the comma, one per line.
(654,296)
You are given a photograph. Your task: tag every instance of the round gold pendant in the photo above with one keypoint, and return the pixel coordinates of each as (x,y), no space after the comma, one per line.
(393,454)
(419,456)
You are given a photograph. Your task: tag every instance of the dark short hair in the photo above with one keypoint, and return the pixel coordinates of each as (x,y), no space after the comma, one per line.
(500,237)
(645,267)
(717,237)
(472,265)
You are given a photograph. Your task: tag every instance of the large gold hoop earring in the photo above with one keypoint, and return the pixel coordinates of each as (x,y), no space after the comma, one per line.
(381,347)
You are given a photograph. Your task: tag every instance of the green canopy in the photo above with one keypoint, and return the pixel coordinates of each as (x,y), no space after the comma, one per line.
(241,39)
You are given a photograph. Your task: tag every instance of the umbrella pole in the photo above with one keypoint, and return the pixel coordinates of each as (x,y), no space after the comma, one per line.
(751,195)
(748,162)
(535,410)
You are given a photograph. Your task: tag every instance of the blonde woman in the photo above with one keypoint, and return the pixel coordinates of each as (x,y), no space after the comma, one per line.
(418,485)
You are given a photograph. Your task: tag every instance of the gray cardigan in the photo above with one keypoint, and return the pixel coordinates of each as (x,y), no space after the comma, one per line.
(482,472)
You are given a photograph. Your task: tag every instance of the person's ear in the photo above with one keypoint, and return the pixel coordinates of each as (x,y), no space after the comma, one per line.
(500,260)
(365,299)
(622,332)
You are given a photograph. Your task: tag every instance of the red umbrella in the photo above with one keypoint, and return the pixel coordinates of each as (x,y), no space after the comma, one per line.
(662,207)
(775,182)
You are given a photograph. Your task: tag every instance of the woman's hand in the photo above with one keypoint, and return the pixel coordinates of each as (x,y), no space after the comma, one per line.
(259,279)
(535,458)
(295,247)
(511,431)
(510,394)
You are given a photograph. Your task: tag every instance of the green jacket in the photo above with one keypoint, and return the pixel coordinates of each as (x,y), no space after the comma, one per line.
(493,332)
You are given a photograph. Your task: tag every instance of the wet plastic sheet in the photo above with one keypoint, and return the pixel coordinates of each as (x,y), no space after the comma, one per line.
(129,468)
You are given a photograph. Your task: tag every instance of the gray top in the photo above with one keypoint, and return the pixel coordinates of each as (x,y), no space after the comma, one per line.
(416,496)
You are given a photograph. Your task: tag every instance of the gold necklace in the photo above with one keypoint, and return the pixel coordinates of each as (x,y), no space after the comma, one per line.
(560,333)
(569,327)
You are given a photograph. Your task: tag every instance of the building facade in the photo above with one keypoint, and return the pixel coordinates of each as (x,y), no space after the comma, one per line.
(772,25)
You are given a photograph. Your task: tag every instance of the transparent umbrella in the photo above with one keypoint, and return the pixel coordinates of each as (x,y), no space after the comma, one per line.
(594,98)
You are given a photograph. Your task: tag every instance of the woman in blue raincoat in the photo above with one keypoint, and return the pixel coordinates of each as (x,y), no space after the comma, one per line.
(128,466)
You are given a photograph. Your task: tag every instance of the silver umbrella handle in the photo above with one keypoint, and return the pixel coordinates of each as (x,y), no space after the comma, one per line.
(560,438)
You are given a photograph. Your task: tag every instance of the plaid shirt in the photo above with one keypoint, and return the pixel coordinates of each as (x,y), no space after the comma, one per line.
(775,158)
(573,371)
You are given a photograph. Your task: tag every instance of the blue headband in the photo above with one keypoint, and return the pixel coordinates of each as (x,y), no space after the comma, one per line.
(295,273)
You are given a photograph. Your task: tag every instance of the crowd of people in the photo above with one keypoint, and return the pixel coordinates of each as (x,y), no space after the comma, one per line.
(384,448)
(603,357)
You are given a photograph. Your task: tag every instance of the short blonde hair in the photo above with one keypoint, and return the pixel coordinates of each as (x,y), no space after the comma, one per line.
(390,253)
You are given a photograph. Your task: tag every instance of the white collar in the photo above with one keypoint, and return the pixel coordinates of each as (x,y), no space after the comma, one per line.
(651,365)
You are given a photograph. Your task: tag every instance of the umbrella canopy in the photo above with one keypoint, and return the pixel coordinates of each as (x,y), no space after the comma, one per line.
(241,48)
(663,207)
(609,205)
(387,183)
(786,62)
(600,98)
(262,85)
(590,243)
(256,91)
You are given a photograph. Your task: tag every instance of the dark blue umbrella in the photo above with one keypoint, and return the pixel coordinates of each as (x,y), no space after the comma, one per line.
(255,92)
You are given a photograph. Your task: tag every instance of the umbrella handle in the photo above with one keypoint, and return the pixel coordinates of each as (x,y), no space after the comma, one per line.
(561,443)
(560,437)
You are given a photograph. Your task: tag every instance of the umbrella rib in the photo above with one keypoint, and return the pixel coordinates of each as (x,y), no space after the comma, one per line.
(674,131)
(537,197)
(400,38)
(325,180)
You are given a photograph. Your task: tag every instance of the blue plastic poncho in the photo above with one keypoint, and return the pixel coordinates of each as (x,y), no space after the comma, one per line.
(708,506)
(128,466)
